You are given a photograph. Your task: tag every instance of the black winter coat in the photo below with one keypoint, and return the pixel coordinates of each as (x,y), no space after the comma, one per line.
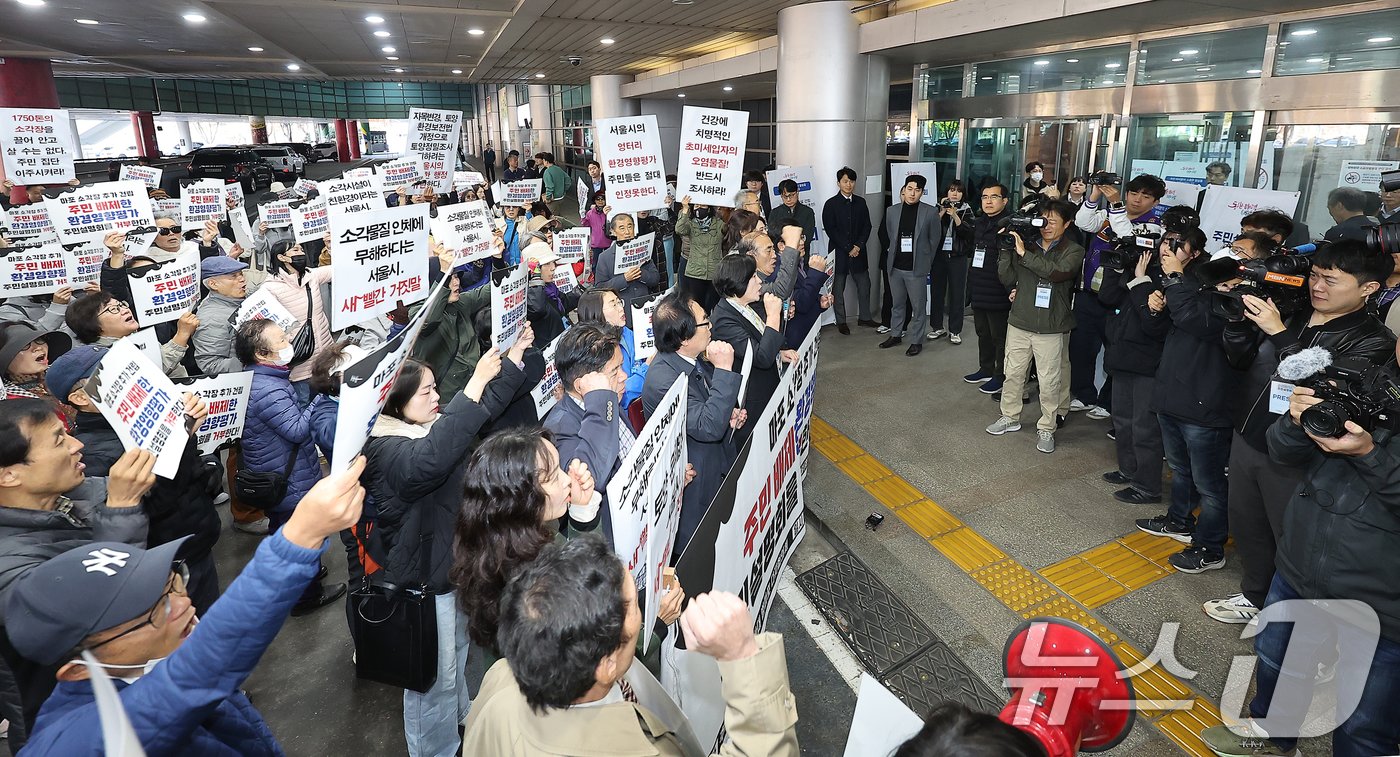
(1134,336)
(984,287)
(1194,378)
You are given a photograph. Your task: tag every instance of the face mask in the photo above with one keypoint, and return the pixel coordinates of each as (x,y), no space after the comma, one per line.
(1037,175)
(285,354)
(298,262)
(701,213)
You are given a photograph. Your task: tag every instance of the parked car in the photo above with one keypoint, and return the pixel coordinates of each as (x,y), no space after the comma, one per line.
(325,151)
(285,161)
(303,149)
(232,164)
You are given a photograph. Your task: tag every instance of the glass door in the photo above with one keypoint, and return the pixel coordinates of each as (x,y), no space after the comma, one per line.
(1001,152)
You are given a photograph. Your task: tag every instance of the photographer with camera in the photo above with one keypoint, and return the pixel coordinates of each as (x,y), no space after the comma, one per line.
(949,276)
(1191,399)
(1343,276)
(1042,283)
(990,301)
(1340,539)
(1108,218)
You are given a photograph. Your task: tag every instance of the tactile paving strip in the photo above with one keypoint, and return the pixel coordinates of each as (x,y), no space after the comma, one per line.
(879,628)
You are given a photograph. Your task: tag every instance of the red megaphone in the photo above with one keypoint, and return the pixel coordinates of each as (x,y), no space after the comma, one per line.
(1061,677)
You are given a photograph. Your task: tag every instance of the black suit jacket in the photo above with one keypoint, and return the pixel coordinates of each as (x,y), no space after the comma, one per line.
(727,324)
(590,434)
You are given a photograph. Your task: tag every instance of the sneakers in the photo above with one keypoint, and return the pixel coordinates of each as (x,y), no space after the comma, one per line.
(977,377)
(1163,526)
(257,527)
(1132,496)
(1045,440)
(221,498)
(955,338)
(1250,743)
(992,385)
(1197,560)
(882,329)
(1004,425)
(1116,477)
(1075,406)
(1234,609)
(892,341)
(1112,436)
(937,334)
(1097,413)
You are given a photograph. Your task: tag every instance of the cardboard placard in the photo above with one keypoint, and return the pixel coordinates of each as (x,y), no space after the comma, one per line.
(380,260)
(202,201)
(522,192)
(432,136)
(359,194)
(508,306)
(164,291)
(143,406)
(264,305)
(711,165)
(543,393)
(148,175)
(277,215)
(632,253)
(311,221)
(227,398)
(630,151)
(36,145)
(572,246)
(465,229)
(399,173)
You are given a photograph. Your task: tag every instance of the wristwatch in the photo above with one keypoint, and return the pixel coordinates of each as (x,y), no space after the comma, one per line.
(1170,279)
(1116,206)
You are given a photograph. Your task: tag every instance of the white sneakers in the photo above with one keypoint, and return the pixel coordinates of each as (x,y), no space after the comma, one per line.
(1045,441)
(1003,425)
(1234,609)
(1098,413)
(937,334)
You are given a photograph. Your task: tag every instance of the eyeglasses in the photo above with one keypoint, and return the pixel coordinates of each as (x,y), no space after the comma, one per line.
(994,197)
(178,583)
(115,308)
(706,324)
(168,230)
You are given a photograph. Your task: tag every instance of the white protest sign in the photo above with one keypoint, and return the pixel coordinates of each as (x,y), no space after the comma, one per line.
(264,305)
(89,213)
(572,246)
(381,259)
(899,174)
(498,192)
(143,406)
(30,221)
(242,230)
(465,229)
(467,180)
(148,175)
(584,193)
(162,292)
(658,702)
(353,195)
(227,398)
(881,722)
(1223,208)
(644,497)
(365,385)
(399,173)
(630,148)
(311,221)
(1365,175)
(642,333)
(432,136)
(564,279)
(149,344)
(543,393)
(233,194)
(522,192)
(37,146)
(277,215)
(26,270)
(632,253)
(202,201)
(84,261)
(711,164)
(305,187)
(508,303)
(358,173)
(1181,193)
(171,206)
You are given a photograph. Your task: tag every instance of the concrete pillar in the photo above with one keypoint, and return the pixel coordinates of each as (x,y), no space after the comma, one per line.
(144,125)
(668,111)
(353,134)
(342,140)
(186,137)
(76,136)
(541,119)
(26,83)
(257,127)
(608,102)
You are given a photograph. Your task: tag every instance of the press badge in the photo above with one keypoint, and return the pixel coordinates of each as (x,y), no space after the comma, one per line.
(948,241)
(979,256)
(1042,296)
(906,244)
(1279,394)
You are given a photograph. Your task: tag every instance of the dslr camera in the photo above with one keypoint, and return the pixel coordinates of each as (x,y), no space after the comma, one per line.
(1351,389)
(1385,238)
(1103,178)
(1281,278)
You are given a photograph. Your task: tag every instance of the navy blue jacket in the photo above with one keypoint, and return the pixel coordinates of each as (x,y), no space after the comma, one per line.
(274,424)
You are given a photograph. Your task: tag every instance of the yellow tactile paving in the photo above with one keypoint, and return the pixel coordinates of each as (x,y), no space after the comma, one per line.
(1067,589)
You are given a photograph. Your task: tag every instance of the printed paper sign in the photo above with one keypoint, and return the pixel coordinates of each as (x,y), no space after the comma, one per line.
(632,167)
(171,207)
(399,173)
(358,173)
(242,230)
(264,305)
(432,136)
(584,195)
(1181,193)
(203,201)
(711,165)
(142,404)
(164,291)
(148,175)
(465,229)
(84,261)
(645,338)
(26,270)
(633,253)
(92,212)
(543,393)
(37,146)
(1223,208)
(233,195)
(30,222)
(881,722)
(463,180)
(360,194)
(305,187)
(644,497)
(564,279)
(277,215)
(311,221)
(365,385)
(149,344)
(380,260)
(508,303)
(1365,175)
(572,246)
(227,398)
(523,192)
(899,174)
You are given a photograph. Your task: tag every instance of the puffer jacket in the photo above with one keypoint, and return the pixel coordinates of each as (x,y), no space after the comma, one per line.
(1341,530)
(1194,378)
(213,337)
(448,340)
(41,311)
(703,252)
(415,474)
(292,294)
(275,423)
(1133,335)
(1359,334)
(983,284)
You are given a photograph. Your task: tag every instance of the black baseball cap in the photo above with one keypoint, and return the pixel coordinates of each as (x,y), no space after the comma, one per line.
(91,588)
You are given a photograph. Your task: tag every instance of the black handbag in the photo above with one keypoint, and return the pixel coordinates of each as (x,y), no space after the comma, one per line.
(394,630)
(263,490)
(304,343)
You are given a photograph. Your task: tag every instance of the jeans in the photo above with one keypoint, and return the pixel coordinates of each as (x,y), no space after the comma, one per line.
(991,340)
(430,719)
(1138,434)
(1259,492)
(1085,344)
(949,292)
(1373,728)
(855,270)
(1197,456)
(908,287)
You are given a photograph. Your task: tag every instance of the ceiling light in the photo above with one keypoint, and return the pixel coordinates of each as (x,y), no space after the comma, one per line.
(30,2)
(255,49)
(1071,60)
(1378,40)
(398,70)
(1112,65)
(456,70)
(1108,82)
(381,33)
(475,32)
(539,76)
(1189,51)
(1177,60)
(1041,63)
(173,50)
(728,88)
(374,19)
(1302,32)
(194,18)
(87,21)
(391,57)
(1203,68)
(388,49)
(986,78)
(1255,71)
(680,94)
(1345,58)
(293,67)
(607,40)
(1316,60)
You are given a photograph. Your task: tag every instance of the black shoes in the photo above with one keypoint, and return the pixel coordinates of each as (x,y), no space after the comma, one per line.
(892,341)
(868,324)
(1132,496)
(914,349)
(309,605)
(843,328)
(1116,477)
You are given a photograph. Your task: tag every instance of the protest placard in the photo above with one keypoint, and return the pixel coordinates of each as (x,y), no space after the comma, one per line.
(572,246)
(162,292)
(305,186)
(353,195)
(92,212)
(277,215)
(1180,193)
(584,193)
(142,405)
(543,393)
(170,206)
(899,174)
(1223,207)
(381,259)
(522,192)
(203,201)
(464,180)
(644,497)
(465,229)
(227,398)
(631,254)
(432,136)
(642,311)
(148,175)
(365,385)
(37,145)
(711,164)
(233,195)
(311,221)
(264,305)
(84,261)
(149,344)
(30,222)
(565,279)
(358,173)
(399,173)
(635,176)
(508,303)
(27,270)
(881,723)
(242,230)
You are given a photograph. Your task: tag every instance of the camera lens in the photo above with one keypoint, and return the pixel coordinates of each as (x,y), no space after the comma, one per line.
(1326,419)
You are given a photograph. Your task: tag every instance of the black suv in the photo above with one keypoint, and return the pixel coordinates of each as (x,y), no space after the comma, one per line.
(231,164)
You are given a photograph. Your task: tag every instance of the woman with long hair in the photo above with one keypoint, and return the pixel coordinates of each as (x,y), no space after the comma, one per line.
(740,223)
(605,307)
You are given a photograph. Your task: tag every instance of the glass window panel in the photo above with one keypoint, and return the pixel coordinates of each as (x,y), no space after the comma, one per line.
(943,83)
(1233,54)
(760,137)
(1314,160)
(1193,148)
(1358,42)
(938,142)
(1094,68)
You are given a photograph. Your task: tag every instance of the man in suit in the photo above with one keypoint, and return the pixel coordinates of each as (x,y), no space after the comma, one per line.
(915,237)
(488,157)
(682,336)
(588,423)
(847,223)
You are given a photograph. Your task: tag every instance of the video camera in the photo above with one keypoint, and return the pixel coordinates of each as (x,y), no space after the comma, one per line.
(1022,223)
(1177,222)
(1385,238)
(1351,389)
(1280,278)
(1103,178)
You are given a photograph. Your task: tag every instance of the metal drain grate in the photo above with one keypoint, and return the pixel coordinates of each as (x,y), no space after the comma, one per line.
(936,675)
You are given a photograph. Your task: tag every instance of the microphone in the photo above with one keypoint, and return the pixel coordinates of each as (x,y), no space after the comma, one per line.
(1304,249)
(1305,363)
